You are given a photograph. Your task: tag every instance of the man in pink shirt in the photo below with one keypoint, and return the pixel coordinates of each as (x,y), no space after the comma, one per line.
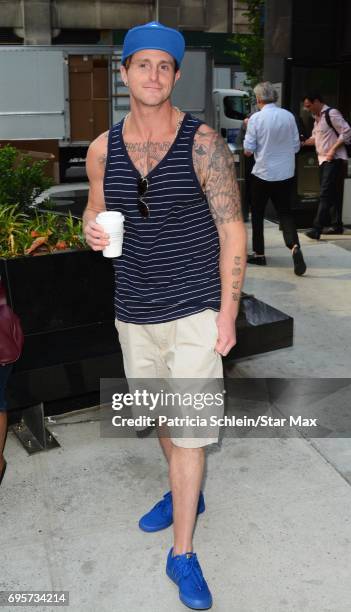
(329,140)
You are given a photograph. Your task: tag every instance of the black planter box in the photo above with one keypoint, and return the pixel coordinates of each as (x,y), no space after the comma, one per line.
(60,291)
(260,328)
(65,303)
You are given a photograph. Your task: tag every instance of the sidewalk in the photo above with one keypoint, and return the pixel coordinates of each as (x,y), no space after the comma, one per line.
(276,534)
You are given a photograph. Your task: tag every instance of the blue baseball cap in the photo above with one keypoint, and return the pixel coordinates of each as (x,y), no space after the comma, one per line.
(154,35)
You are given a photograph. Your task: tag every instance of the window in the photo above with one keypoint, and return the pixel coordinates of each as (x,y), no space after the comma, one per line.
(236,107)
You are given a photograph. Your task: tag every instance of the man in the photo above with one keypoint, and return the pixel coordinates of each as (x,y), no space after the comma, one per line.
(273,138)
(329,138)
(179,278)
(249,163)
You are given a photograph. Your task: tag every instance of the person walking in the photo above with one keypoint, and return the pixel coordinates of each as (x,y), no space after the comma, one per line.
(179,278)
(272,137)
(329,135)
(248,164)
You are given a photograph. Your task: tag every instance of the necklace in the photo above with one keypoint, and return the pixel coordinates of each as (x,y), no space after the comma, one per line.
(179,121)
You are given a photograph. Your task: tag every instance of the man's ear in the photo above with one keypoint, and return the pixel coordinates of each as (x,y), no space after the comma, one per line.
(177,76)
(124,74)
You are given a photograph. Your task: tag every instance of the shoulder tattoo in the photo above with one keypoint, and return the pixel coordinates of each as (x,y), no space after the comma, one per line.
(215,168)
(103,156)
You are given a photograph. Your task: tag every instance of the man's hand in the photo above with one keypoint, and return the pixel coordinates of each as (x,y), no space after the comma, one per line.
(309,142)
(330,155)
(226,333)
(95,236)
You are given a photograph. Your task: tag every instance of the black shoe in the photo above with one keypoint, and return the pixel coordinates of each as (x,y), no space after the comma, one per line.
(258,260)
(333,231)
(299,262)
(2,474)
(313,233)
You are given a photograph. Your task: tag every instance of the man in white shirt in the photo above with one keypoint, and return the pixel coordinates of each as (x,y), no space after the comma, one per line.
(330,132)
(273,138)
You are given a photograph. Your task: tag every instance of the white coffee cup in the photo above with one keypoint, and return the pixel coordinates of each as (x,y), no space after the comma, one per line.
(113,224)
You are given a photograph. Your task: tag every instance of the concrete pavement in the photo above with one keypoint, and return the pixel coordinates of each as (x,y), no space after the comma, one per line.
(276,534)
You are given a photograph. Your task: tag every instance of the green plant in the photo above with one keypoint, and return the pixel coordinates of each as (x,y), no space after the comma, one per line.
(24,229)
(11,229)
(43,232)
(22,180)
(250,52)
(73,233)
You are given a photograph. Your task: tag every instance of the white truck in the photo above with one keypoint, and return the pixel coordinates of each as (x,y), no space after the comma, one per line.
(58,99)
(231,106)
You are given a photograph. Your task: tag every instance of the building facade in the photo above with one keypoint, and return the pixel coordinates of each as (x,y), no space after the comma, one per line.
(204,23)
(308,46)
(45,21)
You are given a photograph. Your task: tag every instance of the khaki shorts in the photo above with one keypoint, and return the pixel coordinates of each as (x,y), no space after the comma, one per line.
(179,349)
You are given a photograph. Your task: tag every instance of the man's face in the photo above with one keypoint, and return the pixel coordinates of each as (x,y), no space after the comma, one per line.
(151,76)
(313,107)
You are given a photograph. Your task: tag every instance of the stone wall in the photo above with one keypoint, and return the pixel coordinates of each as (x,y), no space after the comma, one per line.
(37,21)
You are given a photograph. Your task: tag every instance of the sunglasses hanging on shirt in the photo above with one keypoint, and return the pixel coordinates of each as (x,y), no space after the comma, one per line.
(143,186)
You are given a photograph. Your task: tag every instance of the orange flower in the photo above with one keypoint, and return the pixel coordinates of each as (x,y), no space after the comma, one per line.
(37,243)
(61,244)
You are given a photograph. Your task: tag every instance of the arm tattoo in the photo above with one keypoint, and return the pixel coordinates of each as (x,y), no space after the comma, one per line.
(214,166)
(236,283)
(236,271)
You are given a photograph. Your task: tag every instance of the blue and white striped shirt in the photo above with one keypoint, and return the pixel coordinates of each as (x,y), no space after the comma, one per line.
(169,267)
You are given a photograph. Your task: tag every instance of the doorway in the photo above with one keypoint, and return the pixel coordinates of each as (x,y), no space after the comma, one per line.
(89,97)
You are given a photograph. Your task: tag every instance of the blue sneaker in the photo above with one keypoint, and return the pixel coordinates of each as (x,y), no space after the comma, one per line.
(161,515)
(186,572)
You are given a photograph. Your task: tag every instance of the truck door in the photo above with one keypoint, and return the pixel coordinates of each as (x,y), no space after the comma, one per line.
(231,109)
(32,100)
(88,97)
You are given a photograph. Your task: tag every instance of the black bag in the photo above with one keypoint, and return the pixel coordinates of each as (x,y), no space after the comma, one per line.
(329,122)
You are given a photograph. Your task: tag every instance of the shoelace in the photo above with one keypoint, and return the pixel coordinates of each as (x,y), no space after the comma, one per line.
(189,566)
(164,505)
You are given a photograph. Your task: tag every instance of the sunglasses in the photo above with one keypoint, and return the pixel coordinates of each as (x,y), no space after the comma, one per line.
(143,186)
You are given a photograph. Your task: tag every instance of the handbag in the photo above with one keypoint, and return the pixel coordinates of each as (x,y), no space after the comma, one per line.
(11,333)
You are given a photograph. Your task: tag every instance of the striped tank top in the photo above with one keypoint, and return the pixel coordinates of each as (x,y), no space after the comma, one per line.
(169,267)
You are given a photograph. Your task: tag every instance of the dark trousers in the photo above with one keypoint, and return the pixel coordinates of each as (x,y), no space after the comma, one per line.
(280,193)
(249,163)
(5,371)
(329,211)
